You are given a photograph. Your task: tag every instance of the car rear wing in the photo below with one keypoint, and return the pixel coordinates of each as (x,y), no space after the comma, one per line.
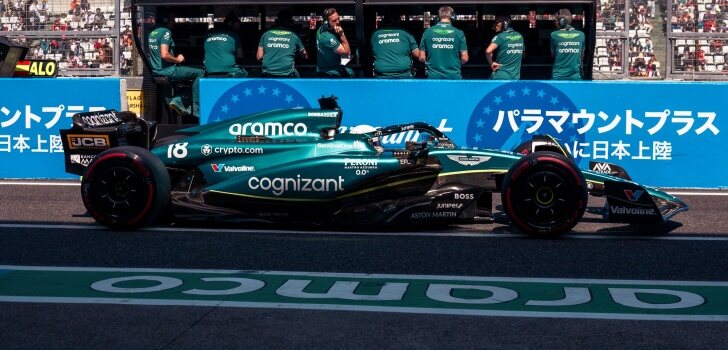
(95,132)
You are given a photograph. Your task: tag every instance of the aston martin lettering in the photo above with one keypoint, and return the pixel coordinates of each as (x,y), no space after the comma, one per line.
(434,215)
(269,129)
(468,160)
(631,211)
(280,185)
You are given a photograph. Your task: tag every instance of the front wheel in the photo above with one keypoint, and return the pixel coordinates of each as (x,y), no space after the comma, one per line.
(125,187)
(544,194)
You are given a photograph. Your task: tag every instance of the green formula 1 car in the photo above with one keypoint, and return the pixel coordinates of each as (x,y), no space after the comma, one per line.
(294,166)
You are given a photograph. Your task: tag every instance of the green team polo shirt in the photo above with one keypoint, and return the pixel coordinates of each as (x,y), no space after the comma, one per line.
(280,47)
(443,44)
(392,50)
(158,37)
(567,46)
(220,48)
(327,60)
(509,55)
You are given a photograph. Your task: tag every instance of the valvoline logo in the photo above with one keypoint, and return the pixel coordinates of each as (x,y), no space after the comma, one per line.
(633,196)
(217,167)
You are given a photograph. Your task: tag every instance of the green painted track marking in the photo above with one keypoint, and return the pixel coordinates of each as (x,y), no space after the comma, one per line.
(515,297)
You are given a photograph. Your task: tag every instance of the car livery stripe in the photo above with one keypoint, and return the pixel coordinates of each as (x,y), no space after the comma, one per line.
(287,199)
(492,171)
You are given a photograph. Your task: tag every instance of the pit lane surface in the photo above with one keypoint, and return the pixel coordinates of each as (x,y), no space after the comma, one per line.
(45,225)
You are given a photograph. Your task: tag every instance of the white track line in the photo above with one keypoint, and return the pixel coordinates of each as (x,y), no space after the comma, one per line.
(380,234)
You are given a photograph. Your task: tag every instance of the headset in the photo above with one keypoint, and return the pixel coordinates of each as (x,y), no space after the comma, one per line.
(563,18)
(504,21)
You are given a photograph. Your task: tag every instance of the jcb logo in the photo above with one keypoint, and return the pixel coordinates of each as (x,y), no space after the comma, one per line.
(88,141)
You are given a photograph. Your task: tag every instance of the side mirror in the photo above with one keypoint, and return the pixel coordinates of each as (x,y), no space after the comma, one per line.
(328,133)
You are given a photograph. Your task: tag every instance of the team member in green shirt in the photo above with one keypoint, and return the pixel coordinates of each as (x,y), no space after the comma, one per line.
(165,63)
(332,45)
(222,47)
(443,48)
(567,47)
(509,44)
(393,50)
(278,48)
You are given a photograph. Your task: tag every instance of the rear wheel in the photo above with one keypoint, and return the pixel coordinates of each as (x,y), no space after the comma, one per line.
(125,187)
(544,194)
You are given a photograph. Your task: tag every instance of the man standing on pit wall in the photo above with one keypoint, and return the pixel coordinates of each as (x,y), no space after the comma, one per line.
(278,48)
(509,44)
(166,64)
(393,49)
(567,47)
(443,48)
(222,48)
(332,46)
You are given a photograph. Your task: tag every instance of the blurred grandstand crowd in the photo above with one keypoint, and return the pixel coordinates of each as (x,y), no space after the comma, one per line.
(650,36)
(82,32)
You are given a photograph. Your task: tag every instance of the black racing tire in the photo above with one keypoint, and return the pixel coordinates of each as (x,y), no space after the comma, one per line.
(544,194)
(126,187)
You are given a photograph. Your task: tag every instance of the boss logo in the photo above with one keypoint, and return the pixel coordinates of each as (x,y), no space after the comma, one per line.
(88,142)
(464,196)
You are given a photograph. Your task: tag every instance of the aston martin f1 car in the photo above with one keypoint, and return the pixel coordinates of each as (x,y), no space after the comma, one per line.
(293,166)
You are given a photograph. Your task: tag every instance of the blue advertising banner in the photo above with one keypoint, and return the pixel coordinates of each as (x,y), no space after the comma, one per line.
(31,113)
(665,134)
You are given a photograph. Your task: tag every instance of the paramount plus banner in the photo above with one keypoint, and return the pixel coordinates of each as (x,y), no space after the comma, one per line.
(666,134)
(33,111)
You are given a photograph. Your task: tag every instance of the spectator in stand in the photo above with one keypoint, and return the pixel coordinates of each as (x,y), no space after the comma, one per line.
(648,45)
(716,46)
(43,8)
(85,6)
(78,49)
(700,58)
(3,10)
(72,7)
(99,19)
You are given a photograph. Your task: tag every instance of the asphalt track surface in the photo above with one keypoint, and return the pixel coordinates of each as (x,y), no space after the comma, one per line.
(45,224)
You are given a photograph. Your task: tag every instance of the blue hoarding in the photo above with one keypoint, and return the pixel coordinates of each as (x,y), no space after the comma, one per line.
(666,134)
(31,113)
